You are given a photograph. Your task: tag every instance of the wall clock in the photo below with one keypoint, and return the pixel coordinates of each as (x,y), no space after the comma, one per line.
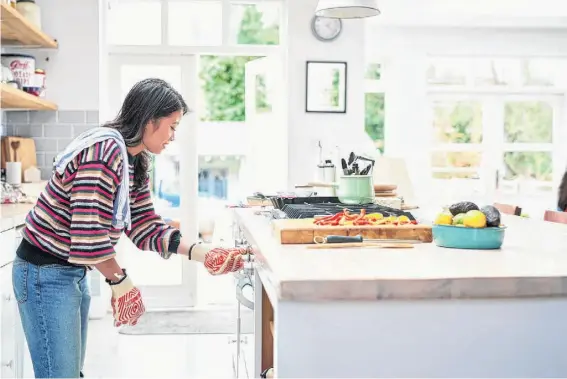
(326,29)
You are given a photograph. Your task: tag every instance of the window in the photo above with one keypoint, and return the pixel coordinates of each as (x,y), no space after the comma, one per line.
(255,24)
(222,88)
(497,123)
(375,105)
(195,23)
(134,23)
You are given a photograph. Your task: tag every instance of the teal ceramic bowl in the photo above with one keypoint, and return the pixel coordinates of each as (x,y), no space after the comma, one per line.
(458,237)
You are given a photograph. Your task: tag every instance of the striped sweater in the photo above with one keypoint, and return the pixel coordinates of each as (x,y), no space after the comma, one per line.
(72,219)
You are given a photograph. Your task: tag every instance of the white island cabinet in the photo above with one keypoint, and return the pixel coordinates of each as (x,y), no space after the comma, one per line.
(421,312)
(14,357)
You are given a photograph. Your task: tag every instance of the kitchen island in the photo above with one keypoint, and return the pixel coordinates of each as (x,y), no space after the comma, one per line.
(421,312)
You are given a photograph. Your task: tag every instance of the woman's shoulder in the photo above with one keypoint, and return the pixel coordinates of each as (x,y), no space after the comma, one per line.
(107,151)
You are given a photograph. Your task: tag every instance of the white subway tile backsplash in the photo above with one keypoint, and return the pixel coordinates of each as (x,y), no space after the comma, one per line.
(51,130)
(49,158)
(92,117)
(46,144)
(57,131)
(43,117)
(36,131)
(40,158)
(72,117)
(62,143)
(46,172)
(17,117)
(78,129)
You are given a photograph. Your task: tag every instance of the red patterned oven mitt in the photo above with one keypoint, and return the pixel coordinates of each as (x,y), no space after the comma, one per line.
(126,301)
(220,260)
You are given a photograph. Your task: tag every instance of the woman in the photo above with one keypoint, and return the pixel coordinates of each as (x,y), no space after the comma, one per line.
(562,194)
(98,190)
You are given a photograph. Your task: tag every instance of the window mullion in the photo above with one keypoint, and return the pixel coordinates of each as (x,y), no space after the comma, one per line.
(226,22)
(164,22)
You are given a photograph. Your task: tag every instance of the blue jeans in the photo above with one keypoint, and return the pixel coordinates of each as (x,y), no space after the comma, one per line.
(53,301)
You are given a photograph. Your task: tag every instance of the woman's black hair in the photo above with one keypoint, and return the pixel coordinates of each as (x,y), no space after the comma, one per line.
(562,194)
(148,100)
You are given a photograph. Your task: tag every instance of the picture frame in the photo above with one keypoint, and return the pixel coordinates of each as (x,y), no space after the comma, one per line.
(325,87)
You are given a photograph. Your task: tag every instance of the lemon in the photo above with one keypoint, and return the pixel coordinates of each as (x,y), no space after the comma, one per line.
(474,219)
(444,218)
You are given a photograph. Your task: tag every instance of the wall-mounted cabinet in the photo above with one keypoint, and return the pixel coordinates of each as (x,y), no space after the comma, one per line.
(16,30)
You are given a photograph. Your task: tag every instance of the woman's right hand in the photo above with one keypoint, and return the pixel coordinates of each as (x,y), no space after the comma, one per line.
(127,304)
(221,260)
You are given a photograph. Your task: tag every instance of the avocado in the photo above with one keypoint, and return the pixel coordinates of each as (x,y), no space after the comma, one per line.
(462,207)
(492,215)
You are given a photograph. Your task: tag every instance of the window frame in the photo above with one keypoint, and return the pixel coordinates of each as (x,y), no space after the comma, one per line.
(224,48)
(493,145)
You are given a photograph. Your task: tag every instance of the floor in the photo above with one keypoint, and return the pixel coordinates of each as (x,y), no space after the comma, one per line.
(110,354)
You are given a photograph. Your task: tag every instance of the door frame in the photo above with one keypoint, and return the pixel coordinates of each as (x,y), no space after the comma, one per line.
(275,169)
(184,295)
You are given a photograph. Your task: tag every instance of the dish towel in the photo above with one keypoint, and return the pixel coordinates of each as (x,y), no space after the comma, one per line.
(121,217)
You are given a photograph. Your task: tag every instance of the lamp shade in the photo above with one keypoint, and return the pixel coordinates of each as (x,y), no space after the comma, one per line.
(347,8)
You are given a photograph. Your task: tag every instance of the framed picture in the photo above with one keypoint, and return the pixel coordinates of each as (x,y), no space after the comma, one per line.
(326,84)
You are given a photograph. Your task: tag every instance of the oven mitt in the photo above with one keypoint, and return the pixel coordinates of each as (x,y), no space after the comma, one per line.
(221,260)
(126,301)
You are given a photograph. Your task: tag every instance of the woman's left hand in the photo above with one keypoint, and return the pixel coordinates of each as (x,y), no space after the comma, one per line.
(221,260)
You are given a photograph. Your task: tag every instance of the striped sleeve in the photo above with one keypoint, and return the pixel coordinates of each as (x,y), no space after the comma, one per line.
(91,204)
(149,231)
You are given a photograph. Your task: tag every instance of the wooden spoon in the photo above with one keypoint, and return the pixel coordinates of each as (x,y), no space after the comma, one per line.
(15,146)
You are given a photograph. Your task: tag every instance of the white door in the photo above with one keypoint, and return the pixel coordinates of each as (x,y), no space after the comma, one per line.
(164,283)
(266,163)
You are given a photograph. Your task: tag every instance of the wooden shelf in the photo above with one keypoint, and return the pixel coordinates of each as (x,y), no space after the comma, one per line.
(16,30)
(13,98)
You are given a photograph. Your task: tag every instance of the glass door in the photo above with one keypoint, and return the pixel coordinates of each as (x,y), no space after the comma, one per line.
(164,283)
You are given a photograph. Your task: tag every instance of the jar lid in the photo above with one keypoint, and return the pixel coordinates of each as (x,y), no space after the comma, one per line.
(39,71)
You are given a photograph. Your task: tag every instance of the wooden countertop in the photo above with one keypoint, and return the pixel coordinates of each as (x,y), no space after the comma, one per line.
(531,263)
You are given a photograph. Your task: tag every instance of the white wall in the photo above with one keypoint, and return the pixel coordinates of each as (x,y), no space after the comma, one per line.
(305,129)
(72,70)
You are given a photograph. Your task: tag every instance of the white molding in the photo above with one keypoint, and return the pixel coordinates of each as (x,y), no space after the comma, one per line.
(243,50)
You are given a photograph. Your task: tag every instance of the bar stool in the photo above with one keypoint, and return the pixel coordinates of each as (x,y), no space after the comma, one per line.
(508,209)
(554,216)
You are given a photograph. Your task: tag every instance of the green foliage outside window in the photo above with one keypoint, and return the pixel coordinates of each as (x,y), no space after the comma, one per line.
(223,76)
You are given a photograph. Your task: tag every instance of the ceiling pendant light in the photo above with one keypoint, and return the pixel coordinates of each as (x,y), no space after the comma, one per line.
(347,8)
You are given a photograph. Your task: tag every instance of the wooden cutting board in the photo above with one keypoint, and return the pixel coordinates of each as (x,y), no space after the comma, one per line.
(26,152)
(303,231)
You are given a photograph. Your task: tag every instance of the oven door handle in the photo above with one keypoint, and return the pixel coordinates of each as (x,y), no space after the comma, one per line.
(243,282)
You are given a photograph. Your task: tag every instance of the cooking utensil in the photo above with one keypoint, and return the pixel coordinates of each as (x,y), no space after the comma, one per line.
(351,158)
(366,170)
(344,166)
(362,244)
(357,239)
(15,146)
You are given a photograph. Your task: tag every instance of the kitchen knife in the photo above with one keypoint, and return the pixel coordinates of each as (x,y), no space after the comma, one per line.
(361,245)
(357,239)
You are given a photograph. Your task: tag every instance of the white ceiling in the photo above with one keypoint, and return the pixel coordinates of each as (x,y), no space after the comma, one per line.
(471,13)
